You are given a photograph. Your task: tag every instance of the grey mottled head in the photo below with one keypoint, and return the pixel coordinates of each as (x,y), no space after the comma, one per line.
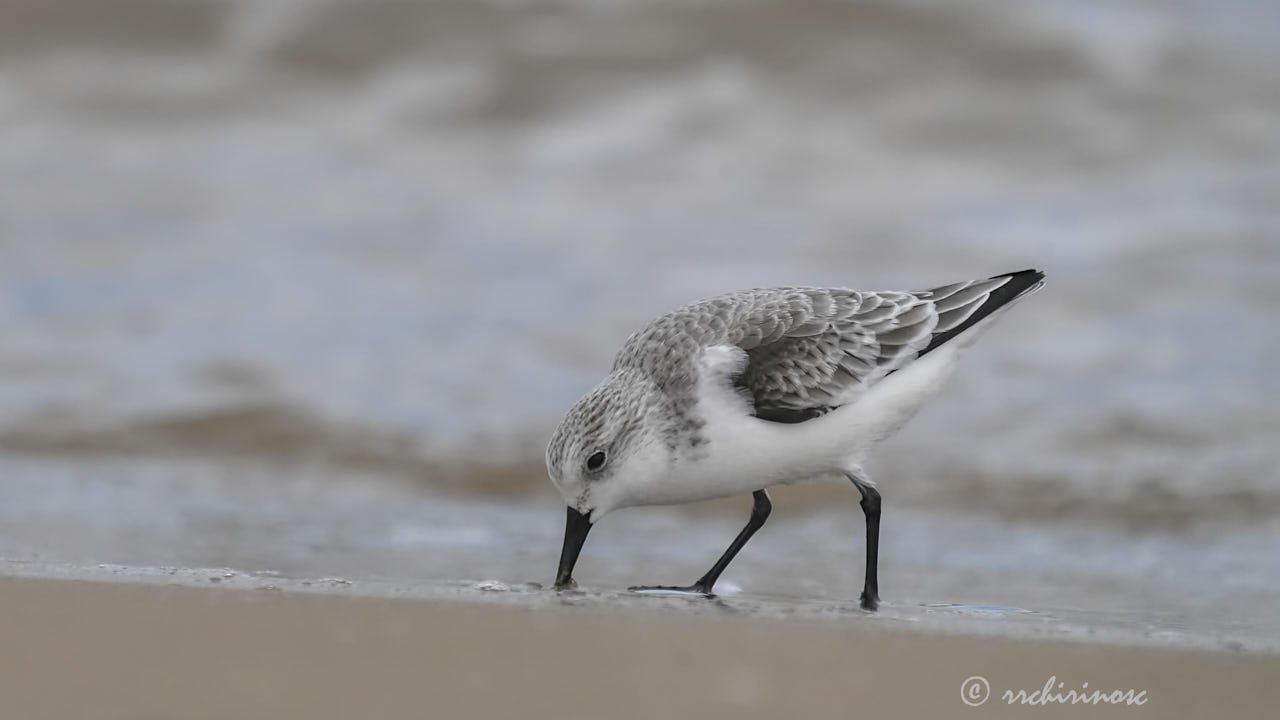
(609,446)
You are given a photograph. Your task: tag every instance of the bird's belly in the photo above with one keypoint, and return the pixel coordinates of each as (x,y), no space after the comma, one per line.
(745,455)
(698,480)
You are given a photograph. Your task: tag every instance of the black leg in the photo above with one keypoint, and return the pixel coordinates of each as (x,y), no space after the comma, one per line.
(759,513)
(871,509)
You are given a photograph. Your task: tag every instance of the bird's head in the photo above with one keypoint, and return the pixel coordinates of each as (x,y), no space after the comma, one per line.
(605,454)
(609,446)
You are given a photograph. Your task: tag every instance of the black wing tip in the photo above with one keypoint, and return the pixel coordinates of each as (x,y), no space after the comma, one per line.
(1020,283)
(1030,276)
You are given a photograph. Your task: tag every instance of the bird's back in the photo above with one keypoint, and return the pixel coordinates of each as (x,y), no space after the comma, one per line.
(813,349)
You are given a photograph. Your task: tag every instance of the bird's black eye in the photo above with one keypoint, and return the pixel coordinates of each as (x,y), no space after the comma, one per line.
(596,461)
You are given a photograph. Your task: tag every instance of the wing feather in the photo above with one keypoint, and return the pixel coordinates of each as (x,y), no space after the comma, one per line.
(812,349)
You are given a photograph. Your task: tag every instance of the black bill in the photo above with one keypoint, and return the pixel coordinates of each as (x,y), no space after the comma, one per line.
(576,527)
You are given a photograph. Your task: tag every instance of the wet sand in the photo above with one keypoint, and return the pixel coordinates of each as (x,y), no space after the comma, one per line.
(108,650)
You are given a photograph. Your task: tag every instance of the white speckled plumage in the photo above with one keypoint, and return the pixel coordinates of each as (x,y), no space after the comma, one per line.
(751,389)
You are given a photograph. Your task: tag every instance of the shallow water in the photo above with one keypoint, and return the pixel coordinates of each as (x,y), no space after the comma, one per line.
(307,529)
(261,263)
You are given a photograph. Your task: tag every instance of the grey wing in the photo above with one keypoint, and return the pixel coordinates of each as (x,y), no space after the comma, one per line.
(851,341)
(812,349)
(826,363)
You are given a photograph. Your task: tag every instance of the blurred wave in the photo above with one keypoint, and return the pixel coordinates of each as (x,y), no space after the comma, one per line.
(405,236)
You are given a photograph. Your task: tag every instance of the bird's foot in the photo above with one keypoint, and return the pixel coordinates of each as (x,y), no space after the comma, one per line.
(870,601)
(694,590)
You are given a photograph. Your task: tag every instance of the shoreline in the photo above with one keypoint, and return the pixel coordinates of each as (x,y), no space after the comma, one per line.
(1116,628)
(91,647)
(1113,628)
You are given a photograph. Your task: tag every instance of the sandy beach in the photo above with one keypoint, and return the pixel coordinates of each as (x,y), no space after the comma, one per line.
(106,650)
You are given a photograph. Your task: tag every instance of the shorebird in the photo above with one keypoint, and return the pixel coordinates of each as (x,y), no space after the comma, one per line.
(740,392)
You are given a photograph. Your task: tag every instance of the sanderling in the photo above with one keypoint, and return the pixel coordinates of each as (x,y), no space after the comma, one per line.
(743,391)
